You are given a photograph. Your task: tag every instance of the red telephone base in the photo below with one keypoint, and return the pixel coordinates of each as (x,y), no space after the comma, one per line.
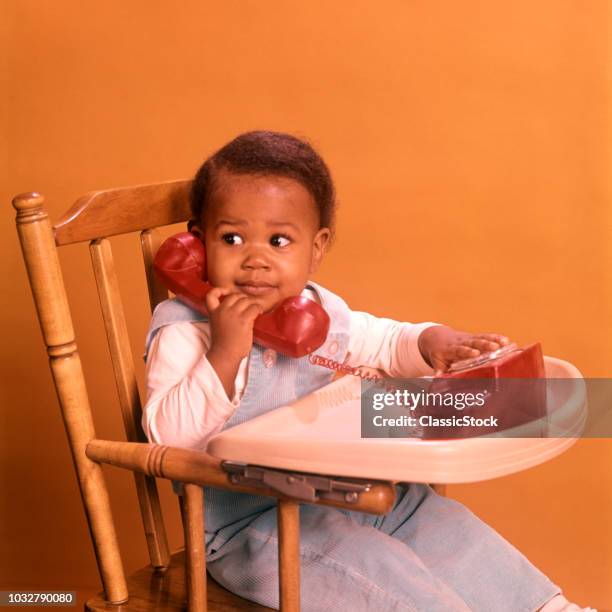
(514,386)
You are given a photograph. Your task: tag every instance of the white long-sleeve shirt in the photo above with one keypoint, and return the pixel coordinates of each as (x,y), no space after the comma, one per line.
(187,404)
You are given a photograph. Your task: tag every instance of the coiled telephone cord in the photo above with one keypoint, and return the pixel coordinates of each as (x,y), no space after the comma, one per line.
(343,368)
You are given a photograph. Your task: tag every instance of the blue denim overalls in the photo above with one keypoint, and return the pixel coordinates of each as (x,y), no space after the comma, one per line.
(429,554)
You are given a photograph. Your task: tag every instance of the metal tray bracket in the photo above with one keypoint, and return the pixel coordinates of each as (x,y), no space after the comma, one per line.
(305,487)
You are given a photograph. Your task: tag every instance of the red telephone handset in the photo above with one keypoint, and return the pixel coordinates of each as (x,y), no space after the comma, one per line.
(296,327)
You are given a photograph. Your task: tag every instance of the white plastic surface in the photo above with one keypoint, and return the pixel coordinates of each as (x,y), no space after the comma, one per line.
(321,433)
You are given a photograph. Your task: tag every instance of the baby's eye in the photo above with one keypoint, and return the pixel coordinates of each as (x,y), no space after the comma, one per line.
(232,238)
(278,240)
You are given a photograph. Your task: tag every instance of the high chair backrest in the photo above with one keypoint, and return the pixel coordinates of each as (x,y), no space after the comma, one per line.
(94,218)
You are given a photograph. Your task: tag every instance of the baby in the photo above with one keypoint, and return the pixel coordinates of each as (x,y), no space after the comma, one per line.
(264,207)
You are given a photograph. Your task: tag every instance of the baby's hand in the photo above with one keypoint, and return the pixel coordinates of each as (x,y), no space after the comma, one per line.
(441,346)
(231,323)
(231,330)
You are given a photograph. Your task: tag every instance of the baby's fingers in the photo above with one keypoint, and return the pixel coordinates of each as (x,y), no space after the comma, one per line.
(481,345)
(235,302)
(245,306)
(496,338)
(213,298)
(486,342)
(252,311)
(442,360)
(457,353)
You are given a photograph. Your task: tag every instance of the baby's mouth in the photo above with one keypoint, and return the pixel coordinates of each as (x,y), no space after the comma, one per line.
(256,288)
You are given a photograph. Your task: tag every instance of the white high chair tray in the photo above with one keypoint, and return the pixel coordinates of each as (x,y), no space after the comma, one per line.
(321,433)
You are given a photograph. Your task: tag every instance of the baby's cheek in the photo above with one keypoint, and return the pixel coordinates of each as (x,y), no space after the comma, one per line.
(218,273)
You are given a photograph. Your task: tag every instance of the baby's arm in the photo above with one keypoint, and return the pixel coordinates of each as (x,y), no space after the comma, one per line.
(406,349)
(387,345)
(231,329)
(186,401)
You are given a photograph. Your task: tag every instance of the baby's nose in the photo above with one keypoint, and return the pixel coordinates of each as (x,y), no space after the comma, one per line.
(255,260)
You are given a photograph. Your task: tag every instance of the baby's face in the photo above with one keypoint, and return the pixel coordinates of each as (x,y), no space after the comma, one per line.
(262,236)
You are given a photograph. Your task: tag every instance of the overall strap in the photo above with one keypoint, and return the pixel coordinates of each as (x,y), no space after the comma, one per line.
(169,312)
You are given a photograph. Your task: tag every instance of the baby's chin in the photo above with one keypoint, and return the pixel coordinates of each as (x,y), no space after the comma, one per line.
(268,299)
(267,303)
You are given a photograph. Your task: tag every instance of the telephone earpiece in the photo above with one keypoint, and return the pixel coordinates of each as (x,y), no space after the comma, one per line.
(296,327)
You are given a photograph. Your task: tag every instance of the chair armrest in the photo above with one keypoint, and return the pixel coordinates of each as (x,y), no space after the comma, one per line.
(200,468)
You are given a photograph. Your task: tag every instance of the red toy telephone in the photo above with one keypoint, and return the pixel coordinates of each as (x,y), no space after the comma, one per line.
(513,381)
(296,327)
(506,362)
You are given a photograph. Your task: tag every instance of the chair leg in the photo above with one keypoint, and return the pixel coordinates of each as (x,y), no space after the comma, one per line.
(289,555)
(195,554)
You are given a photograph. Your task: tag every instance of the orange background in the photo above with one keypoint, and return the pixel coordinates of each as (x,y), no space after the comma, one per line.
(469,142)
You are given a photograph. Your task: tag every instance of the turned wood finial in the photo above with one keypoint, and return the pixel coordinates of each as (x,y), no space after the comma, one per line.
(29,204)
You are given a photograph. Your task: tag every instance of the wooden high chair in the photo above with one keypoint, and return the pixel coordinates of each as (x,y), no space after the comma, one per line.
(164,585)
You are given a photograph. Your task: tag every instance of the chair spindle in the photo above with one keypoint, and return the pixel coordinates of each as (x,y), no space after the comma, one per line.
(129,399)
(195,555)
(149,240)
(288,513)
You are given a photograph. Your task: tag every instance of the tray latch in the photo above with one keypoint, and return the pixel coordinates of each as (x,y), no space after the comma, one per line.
(306,487)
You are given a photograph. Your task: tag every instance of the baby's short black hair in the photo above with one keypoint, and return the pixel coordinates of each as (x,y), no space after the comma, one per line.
(268,153)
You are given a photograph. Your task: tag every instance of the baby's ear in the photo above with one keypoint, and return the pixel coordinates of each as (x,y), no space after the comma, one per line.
(194,227)
(319,246)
